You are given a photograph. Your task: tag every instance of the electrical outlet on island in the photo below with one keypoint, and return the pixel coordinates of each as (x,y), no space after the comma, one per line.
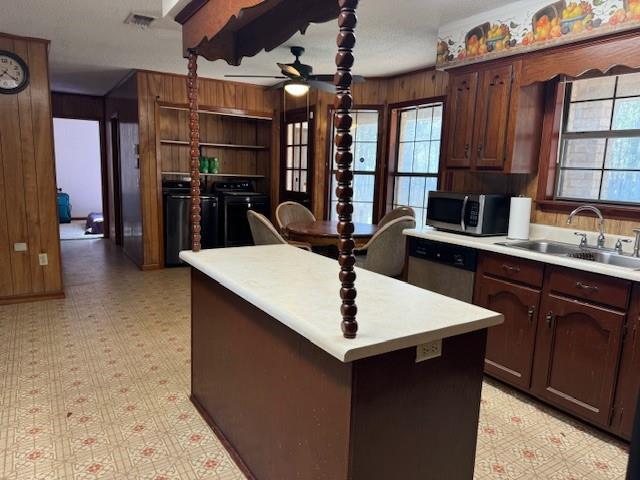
(427,351)
(43,259)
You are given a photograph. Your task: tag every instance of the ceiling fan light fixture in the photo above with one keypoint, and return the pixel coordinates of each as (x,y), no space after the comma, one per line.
(296,88)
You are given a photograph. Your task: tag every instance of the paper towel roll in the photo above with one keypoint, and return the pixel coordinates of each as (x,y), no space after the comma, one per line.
(519,218)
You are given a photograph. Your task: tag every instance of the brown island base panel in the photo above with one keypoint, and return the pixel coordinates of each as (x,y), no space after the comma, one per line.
(287,410)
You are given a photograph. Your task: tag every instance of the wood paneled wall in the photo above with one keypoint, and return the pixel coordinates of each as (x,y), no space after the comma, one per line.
(28,212)
(71,105)
(423,84)
(155,88)
(527,185)
(121,109)
(420,85)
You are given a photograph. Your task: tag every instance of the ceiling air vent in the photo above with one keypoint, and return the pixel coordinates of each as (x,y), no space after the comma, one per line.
(139,20)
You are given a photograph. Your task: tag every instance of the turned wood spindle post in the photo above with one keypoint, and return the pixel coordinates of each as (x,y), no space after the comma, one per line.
(194,129)
(344,176)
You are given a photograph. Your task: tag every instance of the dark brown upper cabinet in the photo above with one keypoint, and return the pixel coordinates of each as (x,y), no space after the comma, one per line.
(462,109)
(493,117)
(494,123)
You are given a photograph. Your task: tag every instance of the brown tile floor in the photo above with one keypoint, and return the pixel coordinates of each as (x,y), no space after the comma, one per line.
(96,386)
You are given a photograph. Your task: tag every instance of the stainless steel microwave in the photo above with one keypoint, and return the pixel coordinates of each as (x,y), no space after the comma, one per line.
(471,214)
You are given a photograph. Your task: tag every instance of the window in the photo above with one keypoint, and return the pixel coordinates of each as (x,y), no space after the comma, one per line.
(417,156)
(599,159)
(365,155)
(297,160)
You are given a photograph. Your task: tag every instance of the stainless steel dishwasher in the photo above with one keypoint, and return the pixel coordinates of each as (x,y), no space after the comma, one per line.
(442,268)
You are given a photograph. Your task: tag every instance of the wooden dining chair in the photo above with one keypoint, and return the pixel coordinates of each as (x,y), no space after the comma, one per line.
(264,233)
(385,252)
(396,213)
(291,212)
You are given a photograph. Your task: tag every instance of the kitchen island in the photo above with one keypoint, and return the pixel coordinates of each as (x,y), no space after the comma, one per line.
(291,398)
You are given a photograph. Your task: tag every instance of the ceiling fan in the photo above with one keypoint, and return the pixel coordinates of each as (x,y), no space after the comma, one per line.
(299,77)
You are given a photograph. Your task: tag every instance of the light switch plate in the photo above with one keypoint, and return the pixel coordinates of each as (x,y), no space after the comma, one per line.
(43,258)
(20,247)
(427,351)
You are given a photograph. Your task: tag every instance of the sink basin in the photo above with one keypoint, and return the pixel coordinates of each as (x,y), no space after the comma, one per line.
(545,246)
(608,257)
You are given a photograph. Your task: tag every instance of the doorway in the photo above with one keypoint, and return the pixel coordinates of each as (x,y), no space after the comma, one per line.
(79,178)
(296,169)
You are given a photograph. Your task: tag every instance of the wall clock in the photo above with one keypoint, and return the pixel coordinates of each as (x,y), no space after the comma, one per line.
(14,73)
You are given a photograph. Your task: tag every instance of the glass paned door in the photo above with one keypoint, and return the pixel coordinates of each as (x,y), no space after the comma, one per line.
(297,155)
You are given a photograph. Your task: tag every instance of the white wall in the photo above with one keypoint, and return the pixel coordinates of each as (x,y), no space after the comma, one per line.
(78,164)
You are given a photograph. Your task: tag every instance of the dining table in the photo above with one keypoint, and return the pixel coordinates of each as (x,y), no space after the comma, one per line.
(324,233)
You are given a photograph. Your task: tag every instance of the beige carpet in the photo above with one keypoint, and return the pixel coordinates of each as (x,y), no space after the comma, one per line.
(76,231)
(97,385)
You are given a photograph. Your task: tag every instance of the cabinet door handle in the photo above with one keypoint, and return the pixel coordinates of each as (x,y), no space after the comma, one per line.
(531,313)
(466,150)
(480,146)
(584,286)
(510,269)
(550,318)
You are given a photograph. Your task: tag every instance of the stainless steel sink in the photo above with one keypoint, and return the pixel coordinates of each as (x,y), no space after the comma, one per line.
(544,246)
(608,257)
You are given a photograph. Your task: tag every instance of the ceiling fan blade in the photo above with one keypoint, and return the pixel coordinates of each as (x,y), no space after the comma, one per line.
(254,76)
(288,70)
(329,78)
(323,86)
(322,78)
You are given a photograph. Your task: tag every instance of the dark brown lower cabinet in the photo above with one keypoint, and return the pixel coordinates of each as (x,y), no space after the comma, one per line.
(510,346)
(570,338)
(577,356)
(629,376)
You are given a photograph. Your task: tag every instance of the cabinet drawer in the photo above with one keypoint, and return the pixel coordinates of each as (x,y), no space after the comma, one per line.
(512,268)
(601,289)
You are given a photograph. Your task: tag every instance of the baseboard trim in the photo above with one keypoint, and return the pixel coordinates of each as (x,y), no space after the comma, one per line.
(223,439)
(31,297)
(151,266)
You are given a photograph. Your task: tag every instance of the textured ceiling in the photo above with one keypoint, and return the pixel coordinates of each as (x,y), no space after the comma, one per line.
(92,49)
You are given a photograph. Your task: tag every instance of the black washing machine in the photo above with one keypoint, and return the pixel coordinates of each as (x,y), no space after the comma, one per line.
(234,200)
(177,220)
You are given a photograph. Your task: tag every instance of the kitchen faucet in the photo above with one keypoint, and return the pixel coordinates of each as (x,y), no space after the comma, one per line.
(590,208)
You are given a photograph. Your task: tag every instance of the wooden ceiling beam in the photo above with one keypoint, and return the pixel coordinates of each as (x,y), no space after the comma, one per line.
(233,29)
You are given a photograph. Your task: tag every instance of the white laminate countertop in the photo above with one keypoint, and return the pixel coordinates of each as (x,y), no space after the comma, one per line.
(537,232)
(301,290)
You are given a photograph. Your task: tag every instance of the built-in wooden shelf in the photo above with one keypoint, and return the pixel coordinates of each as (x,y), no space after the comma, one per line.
(237,175)
(216,145)
(224,112)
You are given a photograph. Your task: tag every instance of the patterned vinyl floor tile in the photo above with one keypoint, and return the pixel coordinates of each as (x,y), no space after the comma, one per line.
(96,386)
